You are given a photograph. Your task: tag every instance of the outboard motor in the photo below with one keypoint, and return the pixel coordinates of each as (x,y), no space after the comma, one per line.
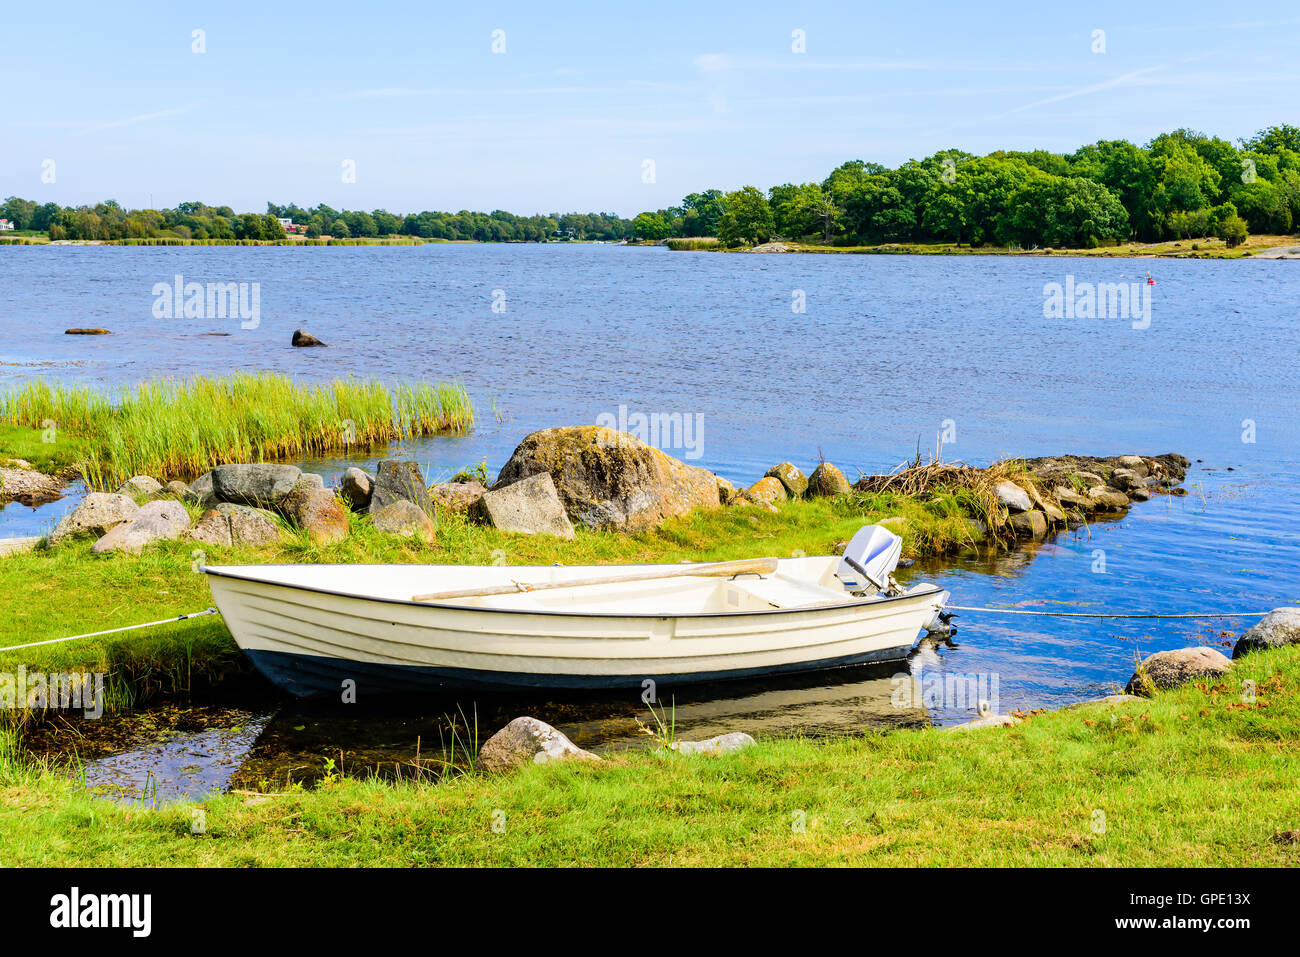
(869,561)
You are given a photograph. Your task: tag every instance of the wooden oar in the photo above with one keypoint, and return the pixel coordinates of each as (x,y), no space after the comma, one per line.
(758,566)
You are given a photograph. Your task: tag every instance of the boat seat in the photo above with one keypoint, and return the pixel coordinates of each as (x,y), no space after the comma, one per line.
(777,591)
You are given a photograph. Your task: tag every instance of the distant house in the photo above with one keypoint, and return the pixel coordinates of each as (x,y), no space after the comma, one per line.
(5,224)
(289,227)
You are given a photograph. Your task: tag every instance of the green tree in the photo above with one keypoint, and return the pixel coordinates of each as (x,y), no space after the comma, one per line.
(748,219)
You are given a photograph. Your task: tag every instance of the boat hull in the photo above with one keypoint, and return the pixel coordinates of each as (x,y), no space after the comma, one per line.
(325,641)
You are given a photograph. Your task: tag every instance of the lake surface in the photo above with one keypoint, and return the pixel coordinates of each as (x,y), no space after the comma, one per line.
(888,350)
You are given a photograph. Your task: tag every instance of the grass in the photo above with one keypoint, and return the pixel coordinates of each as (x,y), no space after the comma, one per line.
(47,449)
(180,429)
(62,590)
(704,242)
(1191,777)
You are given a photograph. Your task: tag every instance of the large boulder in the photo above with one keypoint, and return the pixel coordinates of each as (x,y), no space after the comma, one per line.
(610,479)
(788,475)
(1279,627)
(1126,480)
(397,481)
(530,506)
(317,512)
(355,488)
(262,484)
(719,744)
(97,513)
(158,520)
(528,741)
(1012,497)
(457,496)
(826,480)
(203,489)
(1168,669)
(1106,497)
(1032,524)
(140,486)
(229,524)
(404,519)
(766,491)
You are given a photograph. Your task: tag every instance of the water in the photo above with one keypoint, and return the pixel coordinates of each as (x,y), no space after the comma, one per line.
(890,347)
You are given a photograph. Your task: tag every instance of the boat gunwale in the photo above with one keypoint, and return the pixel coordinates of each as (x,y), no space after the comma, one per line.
(451,606)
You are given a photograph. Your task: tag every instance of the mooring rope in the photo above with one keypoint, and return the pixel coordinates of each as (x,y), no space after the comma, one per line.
(1082,614)
(110,631)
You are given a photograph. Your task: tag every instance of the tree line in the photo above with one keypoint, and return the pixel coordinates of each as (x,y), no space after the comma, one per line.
(1180,185)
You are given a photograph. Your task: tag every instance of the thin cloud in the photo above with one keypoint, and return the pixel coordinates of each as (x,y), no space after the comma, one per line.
(1113,82)
(133,120)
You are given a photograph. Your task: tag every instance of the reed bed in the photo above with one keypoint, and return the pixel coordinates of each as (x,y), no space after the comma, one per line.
(181,428)
(699,242)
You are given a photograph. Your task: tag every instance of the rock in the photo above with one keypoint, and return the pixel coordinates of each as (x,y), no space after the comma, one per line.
(355,487)
(1127,479)
(720,744)
(1012,497)
(1103,496)
(309,480)
(397,481)
(263,484)
(1139,495)
(1135,463)
(86,332)
(158,520)
(229,524)
(457,496)
(988,721)
(795,482)
(1089,479)
(609,479)
(317,512)
(766,491)
(827,480)
(1029,524)
(27,485)
(302,338)
(96,515)
(1054,514)
(140,486)
(1168,669)
(404,519)
(1069,497)
(203,489)
(1279,627)
(180,491)
(530,506)
(527,740)
(726,491)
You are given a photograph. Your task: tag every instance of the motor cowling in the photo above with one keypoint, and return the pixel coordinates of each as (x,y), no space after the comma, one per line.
(869,560)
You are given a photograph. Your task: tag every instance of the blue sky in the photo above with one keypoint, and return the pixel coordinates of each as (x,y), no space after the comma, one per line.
(584,93)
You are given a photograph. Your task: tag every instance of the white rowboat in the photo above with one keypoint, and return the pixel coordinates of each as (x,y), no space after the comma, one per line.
(311,628)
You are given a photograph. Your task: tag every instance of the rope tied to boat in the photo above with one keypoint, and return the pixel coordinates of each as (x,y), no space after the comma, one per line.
(1082,614)
(111,631)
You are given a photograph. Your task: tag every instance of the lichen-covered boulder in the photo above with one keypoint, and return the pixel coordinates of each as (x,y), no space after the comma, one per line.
(95,515)
(528,741)
(795,482)
(1279,627)
(1168,669)
(405,520)
(395,481)
(457,496)
(766,491)
(158,520)
(611,480)
(826,480)
(261,484)
(230,524)
(180,491)
(530,506)
(317,512)
(140,486)
(355,488)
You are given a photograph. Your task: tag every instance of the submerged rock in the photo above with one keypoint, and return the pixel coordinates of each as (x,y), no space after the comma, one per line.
(97,513)
(1279,627)
(526,740)
(1168,669)
(261,484)
(405,519)
(795,482)
(302,339)
(530,506)
(826,480)
(611,480)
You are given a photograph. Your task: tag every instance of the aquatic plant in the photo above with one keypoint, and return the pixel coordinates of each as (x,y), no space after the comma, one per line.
(181,428)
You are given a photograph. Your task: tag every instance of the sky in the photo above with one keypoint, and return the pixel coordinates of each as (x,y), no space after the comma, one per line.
(610,107)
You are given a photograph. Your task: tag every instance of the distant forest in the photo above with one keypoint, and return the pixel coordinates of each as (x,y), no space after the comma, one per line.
(1182,184)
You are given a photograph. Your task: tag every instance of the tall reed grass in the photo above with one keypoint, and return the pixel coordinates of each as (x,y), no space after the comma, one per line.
(181,428)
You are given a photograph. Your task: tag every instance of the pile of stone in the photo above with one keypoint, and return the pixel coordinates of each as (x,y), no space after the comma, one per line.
(22,482)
